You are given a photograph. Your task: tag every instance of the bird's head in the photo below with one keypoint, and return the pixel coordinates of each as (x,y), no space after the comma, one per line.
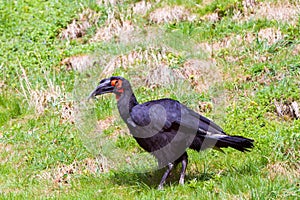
(114,84)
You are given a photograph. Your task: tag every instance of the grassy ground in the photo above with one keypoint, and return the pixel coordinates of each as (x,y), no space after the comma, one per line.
(236,62)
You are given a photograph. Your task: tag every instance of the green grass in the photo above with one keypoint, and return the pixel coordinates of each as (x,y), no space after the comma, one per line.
(34,144)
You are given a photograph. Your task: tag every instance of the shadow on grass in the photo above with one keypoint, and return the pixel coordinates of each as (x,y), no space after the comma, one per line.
(152,179)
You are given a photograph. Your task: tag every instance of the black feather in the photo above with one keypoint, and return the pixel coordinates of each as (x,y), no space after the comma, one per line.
(166,128)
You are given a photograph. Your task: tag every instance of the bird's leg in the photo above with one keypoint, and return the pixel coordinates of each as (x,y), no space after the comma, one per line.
(165,176)
(184,163)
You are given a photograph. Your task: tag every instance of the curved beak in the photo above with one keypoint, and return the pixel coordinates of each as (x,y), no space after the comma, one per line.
(104,87)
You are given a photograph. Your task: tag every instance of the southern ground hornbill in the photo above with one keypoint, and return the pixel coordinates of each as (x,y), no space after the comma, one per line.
(166,128)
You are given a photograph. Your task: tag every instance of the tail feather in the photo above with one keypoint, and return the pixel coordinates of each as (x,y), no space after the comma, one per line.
(237,142)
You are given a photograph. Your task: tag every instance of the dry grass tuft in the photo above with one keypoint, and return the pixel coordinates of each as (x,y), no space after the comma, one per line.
(106,123)
(249,5)
(149,58)
(6,149)
(114,29)
(296,50)
(116,26)
(141,7)
(205,106)
(79,62)
(161,75)
(2,85)
(170,14)
(211,17)
(283,11)
(68,112)
(248,8)
(238,43)
(233,42)
(270,35)
(287,110)
(152,66)
(79,26)
(282,169)
(63,174)
(40,99)
(127,60)
(47,98)
(264,78)
(162,66)
(202,74)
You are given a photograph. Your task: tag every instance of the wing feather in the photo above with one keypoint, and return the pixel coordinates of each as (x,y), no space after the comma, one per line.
(165,114)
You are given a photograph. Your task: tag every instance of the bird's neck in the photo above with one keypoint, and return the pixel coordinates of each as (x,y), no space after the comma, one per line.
(126,101)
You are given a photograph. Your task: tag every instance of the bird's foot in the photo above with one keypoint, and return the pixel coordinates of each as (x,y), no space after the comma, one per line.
(160,187)
(181,180)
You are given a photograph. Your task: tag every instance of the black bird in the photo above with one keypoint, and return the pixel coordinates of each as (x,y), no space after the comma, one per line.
(166,128)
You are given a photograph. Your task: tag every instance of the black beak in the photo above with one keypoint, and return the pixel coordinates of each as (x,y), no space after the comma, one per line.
(104,87)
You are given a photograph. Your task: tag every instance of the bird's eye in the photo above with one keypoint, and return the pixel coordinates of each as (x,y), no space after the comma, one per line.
(114,82)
